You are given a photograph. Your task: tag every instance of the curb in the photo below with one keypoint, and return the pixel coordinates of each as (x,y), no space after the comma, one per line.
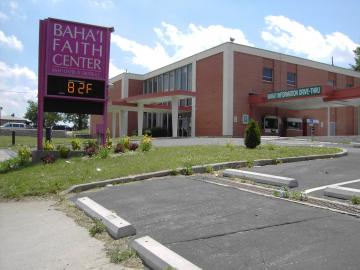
(159,257)
(196,169)
(262,178)
(115,225)
(341,192)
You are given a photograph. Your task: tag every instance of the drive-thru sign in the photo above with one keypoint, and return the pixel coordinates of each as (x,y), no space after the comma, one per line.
(73,69)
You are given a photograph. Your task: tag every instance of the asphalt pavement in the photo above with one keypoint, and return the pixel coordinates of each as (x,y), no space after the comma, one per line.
(217,227)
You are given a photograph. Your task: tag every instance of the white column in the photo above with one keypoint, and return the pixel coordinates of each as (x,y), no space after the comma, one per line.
(193,113)
(228,90)
(174,116)
(140,118)
(113,124)
(328,119)
(123,123)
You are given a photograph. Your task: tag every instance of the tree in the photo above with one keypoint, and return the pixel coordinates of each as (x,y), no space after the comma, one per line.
(356,67)
(252,134)
(80,121)
(50,118)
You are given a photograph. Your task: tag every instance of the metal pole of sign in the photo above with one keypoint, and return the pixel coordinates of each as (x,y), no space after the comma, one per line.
(13,137)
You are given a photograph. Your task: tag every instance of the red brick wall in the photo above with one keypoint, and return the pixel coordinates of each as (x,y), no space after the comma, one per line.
(209,91)
(248,79)
(135,88)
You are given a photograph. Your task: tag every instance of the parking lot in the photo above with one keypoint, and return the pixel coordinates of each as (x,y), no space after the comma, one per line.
(316,174)
(217,227)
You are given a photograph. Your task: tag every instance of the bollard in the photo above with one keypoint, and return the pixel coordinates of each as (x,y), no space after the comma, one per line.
(13,137)
(48,134)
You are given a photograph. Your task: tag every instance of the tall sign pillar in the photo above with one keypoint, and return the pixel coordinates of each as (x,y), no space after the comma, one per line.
(73,70)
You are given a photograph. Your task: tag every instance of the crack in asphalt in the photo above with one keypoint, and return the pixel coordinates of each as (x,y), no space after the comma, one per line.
(247,230)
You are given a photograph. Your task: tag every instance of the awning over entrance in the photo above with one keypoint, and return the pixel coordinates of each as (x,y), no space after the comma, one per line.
(153,103)
(313,97)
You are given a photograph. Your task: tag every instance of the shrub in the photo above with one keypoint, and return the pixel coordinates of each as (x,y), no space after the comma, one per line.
(103,152)
(145,144)
(91,150)
(76,145)
(125,141)
(133,146)
(119,148)
(276,193)
(64,151)
(24,155)
(147,132)
(98,227)
(48,146)
(90,147)
(48,159)
(250,163)
(108,143)
(252,134)
(355,199)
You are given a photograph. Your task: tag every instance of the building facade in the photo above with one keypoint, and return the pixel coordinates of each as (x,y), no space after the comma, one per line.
(216,92)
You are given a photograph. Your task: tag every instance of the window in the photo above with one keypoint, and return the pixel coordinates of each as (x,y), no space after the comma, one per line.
(160,83)
(294,123)
(271,123)
(267,74)
(291,78)
(178,79)
(166,81)
(189,77)
(155,86)
(172,80)
(183,78)
(149,86)
(349,85)
(331,83)
(145,87)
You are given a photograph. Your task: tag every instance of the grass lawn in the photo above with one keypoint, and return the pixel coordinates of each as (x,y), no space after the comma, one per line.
(5,141)
(39,179)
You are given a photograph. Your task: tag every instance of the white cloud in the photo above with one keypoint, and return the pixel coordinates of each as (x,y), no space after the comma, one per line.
(105,4)
(11,41)
(169,38)
(3,16)
(17,86)
(282,32)
(114,70)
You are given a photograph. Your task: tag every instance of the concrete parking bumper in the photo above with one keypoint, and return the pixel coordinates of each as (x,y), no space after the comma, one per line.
(159,257)
(262,178)
(345,193)
(116,226)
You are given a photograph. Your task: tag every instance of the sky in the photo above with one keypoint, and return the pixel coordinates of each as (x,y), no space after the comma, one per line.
(151,34)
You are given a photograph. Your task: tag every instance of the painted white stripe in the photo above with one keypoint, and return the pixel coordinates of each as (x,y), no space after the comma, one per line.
(332,185)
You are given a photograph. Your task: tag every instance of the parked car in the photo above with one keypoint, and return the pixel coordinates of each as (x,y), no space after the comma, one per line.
(11,125)
(61,127)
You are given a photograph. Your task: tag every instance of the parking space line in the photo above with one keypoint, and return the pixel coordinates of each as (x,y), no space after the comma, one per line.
(332,185)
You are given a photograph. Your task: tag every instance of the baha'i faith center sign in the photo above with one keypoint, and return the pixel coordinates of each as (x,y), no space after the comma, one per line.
(73,69)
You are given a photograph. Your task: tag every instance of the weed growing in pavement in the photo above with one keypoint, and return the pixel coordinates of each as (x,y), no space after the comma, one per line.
(276,193)
(174,172)
(298,195)
(188,169)
(355,199)
(209,169)
(98,227)
(118,256)
(250,163)
(278,161)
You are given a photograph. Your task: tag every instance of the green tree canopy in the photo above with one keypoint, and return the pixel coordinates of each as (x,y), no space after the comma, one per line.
(50,118)
(357,59)
(80,121)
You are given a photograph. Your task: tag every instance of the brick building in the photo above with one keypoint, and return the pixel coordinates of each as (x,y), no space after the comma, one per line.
(216,92)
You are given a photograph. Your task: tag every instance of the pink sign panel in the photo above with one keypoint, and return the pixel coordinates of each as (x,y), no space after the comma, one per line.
(77,50)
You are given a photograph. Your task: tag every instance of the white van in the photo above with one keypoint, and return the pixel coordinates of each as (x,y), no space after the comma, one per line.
(14,125)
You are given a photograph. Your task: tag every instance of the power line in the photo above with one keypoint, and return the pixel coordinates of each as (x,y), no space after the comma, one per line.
(17,91)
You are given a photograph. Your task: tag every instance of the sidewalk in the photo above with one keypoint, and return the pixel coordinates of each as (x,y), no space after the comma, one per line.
(36,236)
(6,154)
